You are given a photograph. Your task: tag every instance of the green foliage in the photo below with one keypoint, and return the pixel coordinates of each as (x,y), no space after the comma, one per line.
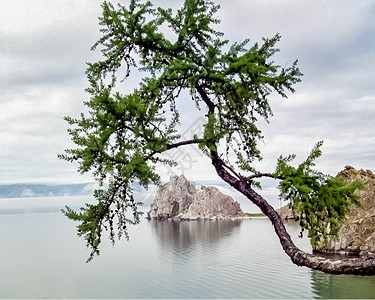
(112,206)
(122,138)
(240,79)
(320,201)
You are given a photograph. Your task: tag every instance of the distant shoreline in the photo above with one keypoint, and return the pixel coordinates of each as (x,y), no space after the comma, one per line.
(246,216)
(255,215)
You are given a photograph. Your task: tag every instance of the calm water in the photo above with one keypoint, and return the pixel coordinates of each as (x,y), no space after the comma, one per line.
(41,257)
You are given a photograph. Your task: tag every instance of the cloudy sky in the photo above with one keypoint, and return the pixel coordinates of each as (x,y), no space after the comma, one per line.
(44,46)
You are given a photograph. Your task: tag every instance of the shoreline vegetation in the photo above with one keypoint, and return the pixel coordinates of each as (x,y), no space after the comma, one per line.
(254,215)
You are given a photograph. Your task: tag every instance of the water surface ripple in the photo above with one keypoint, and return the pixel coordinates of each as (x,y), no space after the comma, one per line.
(41,257)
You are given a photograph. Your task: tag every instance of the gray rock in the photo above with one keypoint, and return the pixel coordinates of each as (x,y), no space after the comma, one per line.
(180,200)
(286,213)
(172,198)
(357,232)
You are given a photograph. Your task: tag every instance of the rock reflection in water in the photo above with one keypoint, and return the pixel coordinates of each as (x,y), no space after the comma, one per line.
(184,235)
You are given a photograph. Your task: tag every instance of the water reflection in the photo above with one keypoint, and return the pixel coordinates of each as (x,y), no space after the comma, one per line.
(41,257)
(212,257)
(326,286)
(184,236)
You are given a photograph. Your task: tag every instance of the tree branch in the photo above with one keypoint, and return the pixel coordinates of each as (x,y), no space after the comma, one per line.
(259,175)
(209,103)
(358,266)
(183,143)
(232,170)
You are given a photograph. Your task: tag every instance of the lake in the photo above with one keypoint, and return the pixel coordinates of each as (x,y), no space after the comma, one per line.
(41,257)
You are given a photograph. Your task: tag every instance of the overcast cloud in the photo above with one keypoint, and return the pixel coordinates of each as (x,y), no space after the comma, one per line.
(44,46)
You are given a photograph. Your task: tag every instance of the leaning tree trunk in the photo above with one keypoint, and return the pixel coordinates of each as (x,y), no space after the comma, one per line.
(358,266)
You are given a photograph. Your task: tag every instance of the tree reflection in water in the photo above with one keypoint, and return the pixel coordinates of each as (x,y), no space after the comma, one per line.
(328,286)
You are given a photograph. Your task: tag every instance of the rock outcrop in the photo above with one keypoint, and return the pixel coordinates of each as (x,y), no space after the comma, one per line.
(285,212)
(357,232)
(179,199)
(172,198)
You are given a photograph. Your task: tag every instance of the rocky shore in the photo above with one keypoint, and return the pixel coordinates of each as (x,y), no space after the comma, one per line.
(357,233)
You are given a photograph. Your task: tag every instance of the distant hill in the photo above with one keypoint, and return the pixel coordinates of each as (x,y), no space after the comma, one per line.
(44,190)
(140,193)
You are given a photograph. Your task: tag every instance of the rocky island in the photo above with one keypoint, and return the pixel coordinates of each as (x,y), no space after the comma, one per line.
(179,199)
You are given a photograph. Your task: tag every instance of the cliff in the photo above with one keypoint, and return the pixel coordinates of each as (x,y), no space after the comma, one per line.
(357,232)
(179,199)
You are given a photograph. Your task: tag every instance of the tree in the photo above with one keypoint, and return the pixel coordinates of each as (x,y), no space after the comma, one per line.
(123,138)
